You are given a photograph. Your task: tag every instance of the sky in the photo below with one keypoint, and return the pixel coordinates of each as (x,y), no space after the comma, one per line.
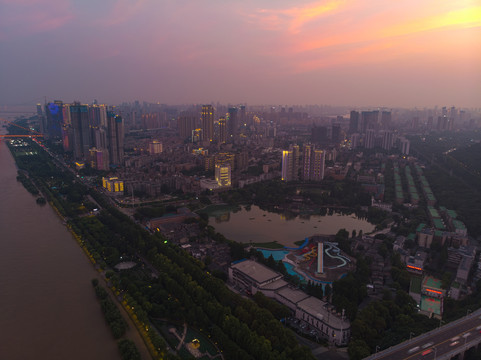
(410,53)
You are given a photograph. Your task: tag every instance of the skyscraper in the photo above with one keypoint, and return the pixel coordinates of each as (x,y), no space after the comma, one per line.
(207,118)
(354,122)
(54,119)
(287,165)
(306,163)
(186,123)
(79,118)
(369,139)
(232,124)
(222,130)
(319,158)
(115,136)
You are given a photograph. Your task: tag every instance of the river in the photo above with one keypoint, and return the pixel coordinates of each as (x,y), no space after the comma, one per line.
(48,306)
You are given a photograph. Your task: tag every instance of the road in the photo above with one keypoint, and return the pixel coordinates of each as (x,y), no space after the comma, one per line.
(443,342)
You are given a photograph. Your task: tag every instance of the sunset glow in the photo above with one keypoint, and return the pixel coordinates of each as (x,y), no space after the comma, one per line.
(275,52)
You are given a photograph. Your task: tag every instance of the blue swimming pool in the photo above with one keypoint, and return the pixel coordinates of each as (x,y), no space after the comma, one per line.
(276,254)
(290,270)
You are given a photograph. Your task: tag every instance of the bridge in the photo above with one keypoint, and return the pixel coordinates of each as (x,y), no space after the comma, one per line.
(442,343)
(31,133)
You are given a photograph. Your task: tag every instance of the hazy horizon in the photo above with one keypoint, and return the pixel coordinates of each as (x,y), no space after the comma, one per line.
(342,53)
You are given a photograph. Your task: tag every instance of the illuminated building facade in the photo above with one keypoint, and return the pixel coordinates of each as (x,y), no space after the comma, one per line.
(99,159)
(54,120)
(207,119)
(317,173)
(113,184)
(223,174)
(155,147)
(287,165)
(222,130)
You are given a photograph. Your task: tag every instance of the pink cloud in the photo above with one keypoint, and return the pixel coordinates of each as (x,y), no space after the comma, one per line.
(26,17)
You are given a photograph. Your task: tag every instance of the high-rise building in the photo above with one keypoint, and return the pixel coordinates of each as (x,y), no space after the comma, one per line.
(207,118)
(155,147)
(222,130)
(287,165)
(79,117)
(225,158)
(369,120)
(387,140)
(232,123)
(54,120)
(336,133)
(386,119)
(115,136)
(353,122)
(307,163)
(99,159)
(313,164)
(318,162)
(186,123)
(355,140)
(295,169)
(243,115)
(405,146)
(370,139)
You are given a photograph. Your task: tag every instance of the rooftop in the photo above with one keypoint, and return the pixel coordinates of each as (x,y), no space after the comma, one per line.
(256,271)
(291,294)
(317,308)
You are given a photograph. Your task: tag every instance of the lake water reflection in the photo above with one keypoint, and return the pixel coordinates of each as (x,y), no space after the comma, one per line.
(246,224)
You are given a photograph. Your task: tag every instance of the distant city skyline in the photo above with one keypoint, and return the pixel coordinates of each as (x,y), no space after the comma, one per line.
(342,53)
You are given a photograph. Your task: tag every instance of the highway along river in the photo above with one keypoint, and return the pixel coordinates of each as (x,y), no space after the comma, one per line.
(48,306)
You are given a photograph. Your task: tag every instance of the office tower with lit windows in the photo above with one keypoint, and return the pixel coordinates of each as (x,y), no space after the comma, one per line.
(79,117)
(306,163)
(98,124)
(287,165)
(99,159)
(223,174)
(207,119)
(115,137)
(222,130)
(54,120)
(318,161)
(155,147)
